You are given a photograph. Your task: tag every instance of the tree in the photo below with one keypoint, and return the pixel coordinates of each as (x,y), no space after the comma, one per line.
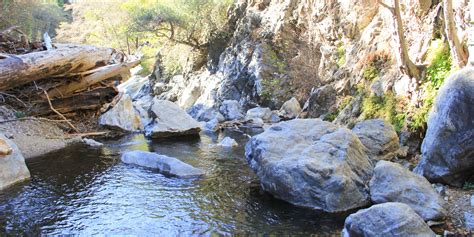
(458,51)
(188,22)
(407,65)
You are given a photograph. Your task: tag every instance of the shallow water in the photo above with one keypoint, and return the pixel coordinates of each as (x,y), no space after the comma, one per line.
(82,190)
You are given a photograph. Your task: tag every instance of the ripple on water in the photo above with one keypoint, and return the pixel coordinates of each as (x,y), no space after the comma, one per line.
(89,191)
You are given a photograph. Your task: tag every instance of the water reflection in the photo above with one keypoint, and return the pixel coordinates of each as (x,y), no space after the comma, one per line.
(89,191)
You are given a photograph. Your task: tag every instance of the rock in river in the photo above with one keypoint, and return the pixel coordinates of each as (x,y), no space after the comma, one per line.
(122,116)
(164,164)
(12,165)
(231,110)
(393,183)
(388,219)
(264,114)
(312,163)
(448,148)
(228,142)
(169,120)
(379,137)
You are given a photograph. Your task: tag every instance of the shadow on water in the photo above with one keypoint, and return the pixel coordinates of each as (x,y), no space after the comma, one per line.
(89,191)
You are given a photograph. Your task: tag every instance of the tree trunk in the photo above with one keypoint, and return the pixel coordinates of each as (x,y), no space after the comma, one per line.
(96,76)
(22,69)
(458,51)
(89,100)
(411,69)
(406,64)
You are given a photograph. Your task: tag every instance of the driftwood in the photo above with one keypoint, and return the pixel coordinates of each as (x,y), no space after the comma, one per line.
(22,69)
(95,77)
(88,100)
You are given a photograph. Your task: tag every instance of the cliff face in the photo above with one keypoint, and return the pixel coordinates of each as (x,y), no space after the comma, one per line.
(320,51)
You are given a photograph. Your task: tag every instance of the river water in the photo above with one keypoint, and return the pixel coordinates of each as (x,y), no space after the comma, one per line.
(87,191)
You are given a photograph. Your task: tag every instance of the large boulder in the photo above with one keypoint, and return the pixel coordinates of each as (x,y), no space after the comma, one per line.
(290,109)
(379,137)
(231,110)
(164,164)
(312,163)
(393,183)
(388,219)
(169,120)
(12,164)
(448,148)
(122,116)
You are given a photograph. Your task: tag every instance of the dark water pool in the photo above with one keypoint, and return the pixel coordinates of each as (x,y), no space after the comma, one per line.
(88,191)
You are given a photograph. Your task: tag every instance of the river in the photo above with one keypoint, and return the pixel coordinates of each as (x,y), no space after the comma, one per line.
(88,191)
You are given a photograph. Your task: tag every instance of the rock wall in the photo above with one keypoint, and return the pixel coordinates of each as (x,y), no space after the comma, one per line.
(289,48)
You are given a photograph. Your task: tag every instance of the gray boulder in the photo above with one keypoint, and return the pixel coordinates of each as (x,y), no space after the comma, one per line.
(393,183)
(388,219)
(290,109)
(379,137)
(169,120)
(321,101)
(264,114)
(164,164)
(12,164)
(231,110)
(312,163)
(122,116)
(448,148)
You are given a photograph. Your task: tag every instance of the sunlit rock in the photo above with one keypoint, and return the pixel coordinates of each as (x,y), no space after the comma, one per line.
(169,120)
(122,116)
(12,164)
(379,137)
(312,163)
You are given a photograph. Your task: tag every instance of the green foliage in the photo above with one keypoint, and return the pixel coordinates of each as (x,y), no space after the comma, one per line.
(343,103)
(468,186)
(370,72)
(439,68)
(341,55)
(387,107)
(271,86)
(33,17)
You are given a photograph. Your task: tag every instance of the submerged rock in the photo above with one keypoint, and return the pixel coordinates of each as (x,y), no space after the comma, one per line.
(312,163)
(12,164)
(169,120)
(379,137)
(228,142)
(393,183)
(448,147)
(164,164)
(231,110)
(290,109)
(388,219)
(122,116)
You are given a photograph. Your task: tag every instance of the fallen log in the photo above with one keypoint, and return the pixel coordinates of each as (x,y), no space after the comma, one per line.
(88,100)
(22,69)
(95,77)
